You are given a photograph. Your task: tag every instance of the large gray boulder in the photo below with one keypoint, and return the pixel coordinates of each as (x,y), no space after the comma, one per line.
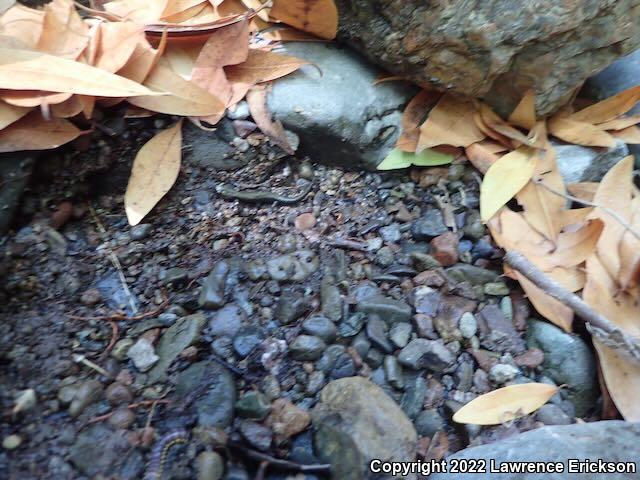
(341,116)
(495,49)
(605,441)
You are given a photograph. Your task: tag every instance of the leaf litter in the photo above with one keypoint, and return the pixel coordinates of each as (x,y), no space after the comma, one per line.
(585,236)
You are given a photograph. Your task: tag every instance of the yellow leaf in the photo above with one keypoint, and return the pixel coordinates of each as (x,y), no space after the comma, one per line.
(627,135)
(155,170)
(610,108)
(524,115)
(614,193)
(27,70)
(10,114)
(319,17)
(33,132)
(450,123)
(579,132)
(186,98)
(505,404)
(504,180)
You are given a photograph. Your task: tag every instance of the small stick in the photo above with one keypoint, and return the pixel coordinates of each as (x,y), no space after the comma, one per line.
(278,463)
(598,325)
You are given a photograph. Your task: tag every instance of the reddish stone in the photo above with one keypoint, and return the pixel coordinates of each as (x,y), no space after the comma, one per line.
(532,358)
(444,248)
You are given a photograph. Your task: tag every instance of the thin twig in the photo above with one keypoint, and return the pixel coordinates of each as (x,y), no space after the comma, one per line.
(131,406)
(278,463)
(114,260)
(611,212)
(598,325)
(121,316)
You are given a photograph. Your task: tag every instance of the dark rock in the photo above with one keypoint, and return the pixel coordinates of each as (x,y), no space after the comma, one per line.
(568,42)
(180,335)
(320,326)
(212,149)
(413,397)
(430,225)
(253,405)
(421,353)
(98,450)
(140,231)
(227,321)
(387,308)
(497,333)
(212,294)
(399,333)
(352,325)
(344,366)
(256,434)
(307,347)
(393,372)
(317,103)
(355,422)
(429,422)
(377,333)
(567,360)
(246,341)
(613,441)
(215,407)
(291,306)
(463,272)
(331,301)
(551,414)
(583,164)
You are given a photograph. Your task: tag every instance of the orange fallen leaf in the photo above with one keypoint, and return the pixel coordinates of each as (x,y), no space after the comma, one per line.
(27,70)
(155,170)
(629,275)
(69,108)
(620,123)
(188,16)
(140,63)
(177,6)
(139,11)
(579,132)
(118,41)
(614,193)
(484,154)
(10,114)
(505,404)
(627,135)
(583,190)
(257,100)
(494,122)
(524,115)
(185,98)
(33,132)
(23,24)
(413,116)
(64,33)
(610,108)
(319,17)
(449,123)
(262,66)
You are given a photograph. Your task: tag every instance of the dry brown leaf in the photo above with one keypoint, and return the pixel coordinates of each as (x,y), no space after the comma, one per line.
(610,108)
(505,404)
(189,16)
(319,17)
(33,98)
(620,123)
(23,24)
(414,114)
(70,108)
(449,123)
(494,122)
(33,132)
(524,115)
(484,128)
(547,306)
(64,33)
(226,46)
(286,34)
(542,208)
(262,66)
(621,375)
(614,193)
(583,190)
(258,5)
(627,135)
(139,11)
(118,41)
(629,275)
(140,63)
(257,100)
(186,98)
(484,154)
(155,170)
(27,70)
(177,6)
(579,132)
(574,216)
(10,114)
(182,58)
(505,179)
(573,279)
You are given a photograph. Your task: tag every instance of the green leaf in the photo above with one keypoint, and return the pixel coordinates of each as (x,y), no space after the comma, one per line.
(427,158)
